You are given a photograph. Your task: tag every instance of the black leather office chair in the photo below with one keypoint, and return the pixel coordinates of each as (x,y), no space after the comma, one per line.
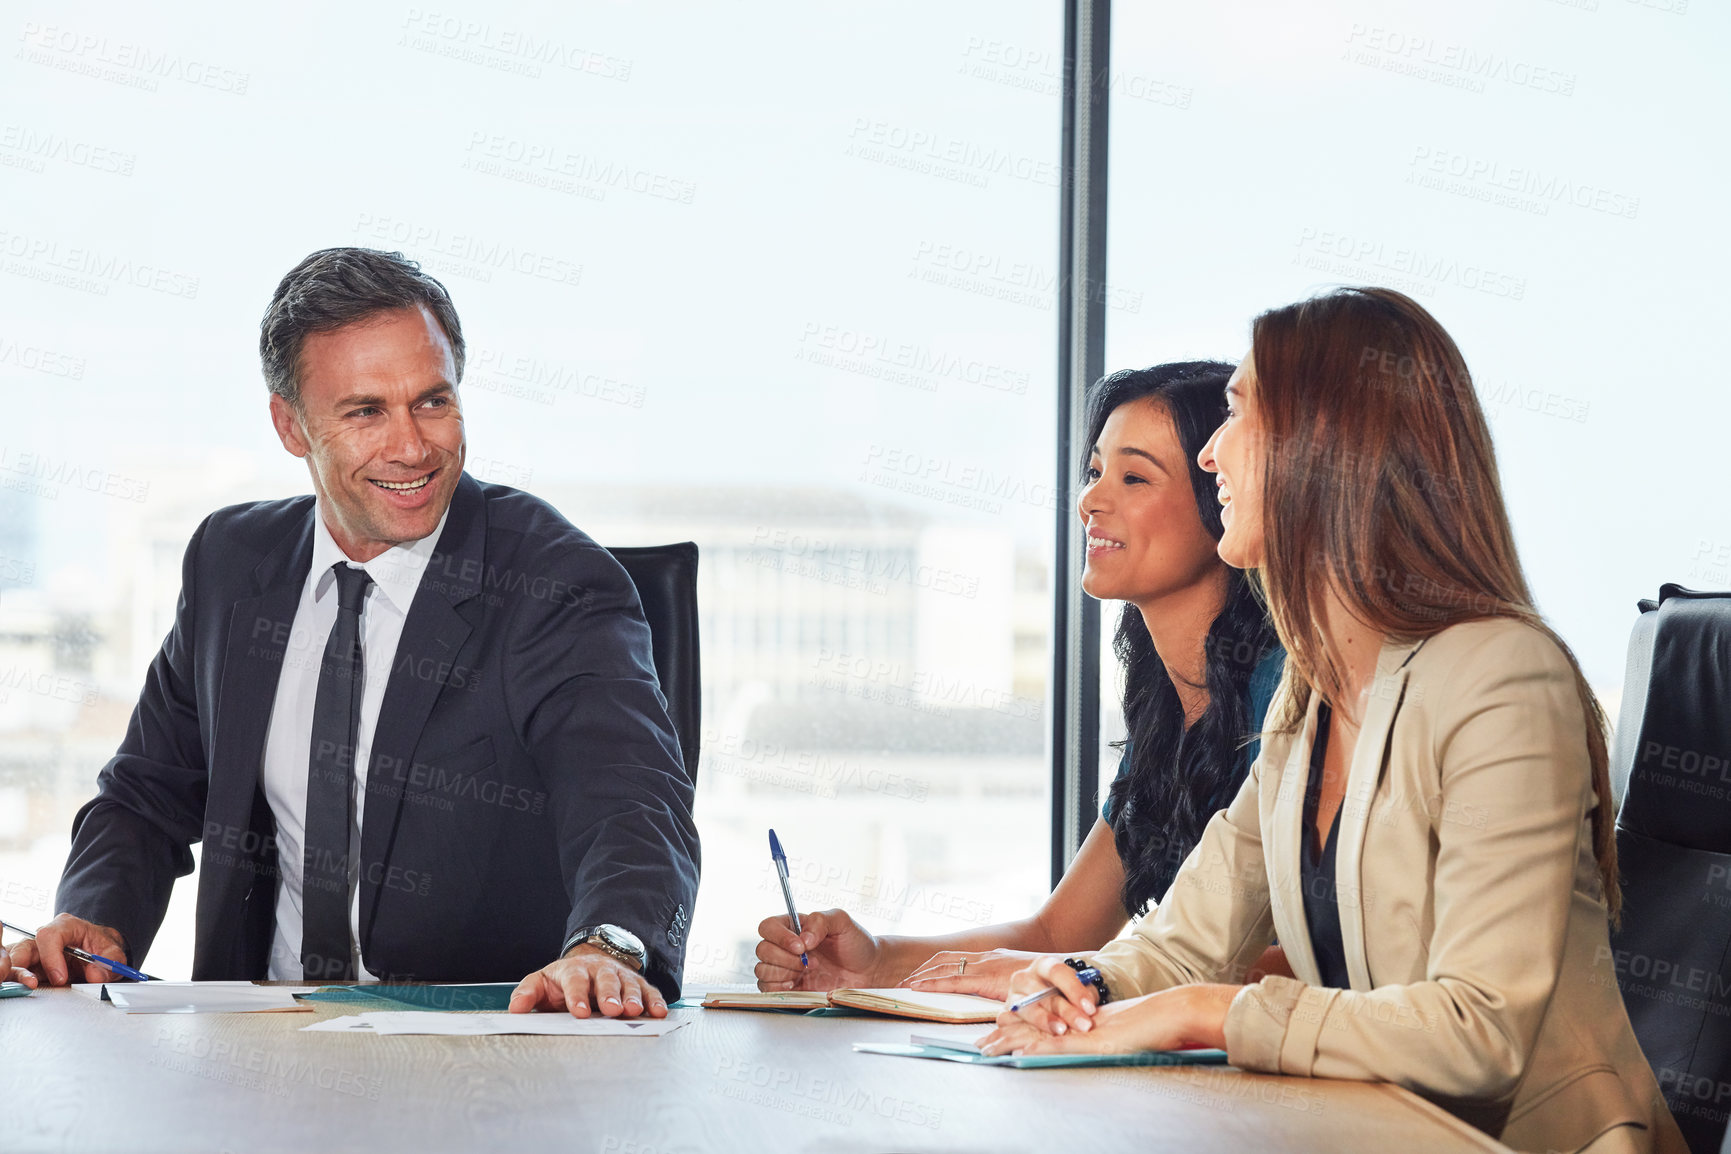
(1672,759)
(666,580)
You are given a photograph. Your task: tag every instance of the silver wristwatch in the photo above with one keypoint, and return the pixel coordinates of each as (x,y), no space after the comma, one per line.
(619,944)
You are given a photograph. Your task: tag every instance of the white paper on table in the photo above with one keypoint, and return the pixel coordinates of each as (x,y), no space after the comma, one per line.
(962,1040)
(391,1023)
(203,997)
(93,990)
(348,1024)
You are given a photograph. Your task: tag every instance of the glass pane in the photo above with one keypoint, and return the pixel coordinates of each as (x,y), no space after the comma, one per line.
(1533,174)
(771,279)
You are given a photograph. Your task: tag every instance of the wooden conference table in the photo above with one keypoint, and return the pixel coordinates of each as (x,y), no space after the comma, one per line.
(79,1075)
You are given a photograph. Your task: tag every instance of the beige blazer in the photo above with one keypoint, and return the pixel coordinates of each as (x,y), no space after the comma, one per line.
(1471,906)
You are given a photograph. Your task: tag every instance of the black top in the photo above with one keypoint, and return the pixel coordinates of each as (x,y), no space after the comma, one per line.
(1316,871)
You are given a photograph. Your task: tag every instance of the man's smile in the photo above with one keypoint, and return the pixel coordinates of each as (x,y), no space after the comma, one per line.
(404,486)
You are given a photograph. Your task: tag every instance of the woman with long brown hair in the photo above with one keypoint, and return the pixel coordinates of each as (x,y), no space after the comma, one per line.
(1428,828)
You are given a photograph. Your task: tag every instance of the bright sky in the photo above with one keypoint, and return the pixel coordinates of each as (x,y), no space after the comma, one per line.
(783,242)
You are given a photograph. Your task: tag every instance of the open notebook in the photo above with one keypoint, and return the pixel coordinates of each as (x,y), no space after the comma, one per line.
(927,1007)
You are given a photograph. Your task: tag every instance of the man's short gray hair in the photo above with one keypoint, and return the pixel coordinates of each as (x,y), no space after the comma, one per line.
(335,287)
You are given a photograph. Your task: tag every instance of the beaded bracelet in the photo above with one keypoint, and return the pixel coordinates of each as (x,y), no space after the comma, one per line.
(1090,976)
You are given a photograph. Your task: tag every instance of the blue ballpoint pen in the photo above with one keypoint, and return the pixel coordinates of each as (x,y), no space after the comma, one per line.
(90,958)
(786,890)
(1089,976)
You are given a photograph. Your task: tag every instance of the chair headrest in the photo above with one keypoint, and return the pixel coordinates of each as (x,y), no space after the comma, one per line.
(1678,765)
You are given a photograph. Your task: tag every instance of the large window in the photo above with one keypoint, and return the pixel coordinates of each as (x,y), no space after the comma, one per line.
(781,280)
(1540,175)
(769,277)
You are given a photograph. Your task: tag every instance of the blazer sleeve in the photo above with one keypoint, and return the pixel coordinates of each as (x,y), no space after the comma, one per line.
(1510,746)
(1214,922)
(131,840)
(584,700)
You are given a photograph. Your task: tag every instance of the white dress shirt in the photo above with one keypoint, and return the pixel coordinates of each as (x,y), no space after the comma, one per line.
(396,574)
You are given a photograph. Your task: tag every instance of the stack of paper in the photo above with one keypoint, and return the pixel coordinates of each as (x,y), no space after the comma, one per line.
(203,997)
(393,1022)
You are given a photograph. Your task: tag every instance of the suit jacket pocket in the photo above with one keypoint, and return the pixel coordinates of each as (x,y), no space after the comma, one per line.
(1573,1111)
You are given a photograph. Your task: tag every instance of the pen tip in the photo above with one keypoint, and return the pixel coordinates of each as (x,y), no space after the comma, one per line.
(774,844)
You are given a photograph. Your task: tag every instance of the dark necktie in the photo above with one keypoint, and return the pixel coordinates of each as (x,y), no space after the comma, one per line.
(327,949)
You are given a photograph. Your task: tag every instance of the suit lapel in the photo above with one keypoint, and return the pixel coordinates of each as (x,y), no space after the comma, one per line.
(258,636)
(433,629)
(1285,845)
(1363,778)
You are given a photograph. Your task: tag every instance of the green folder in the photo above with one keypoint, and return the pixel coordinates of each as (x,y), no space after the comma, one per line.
(495,997)
(1047,1061)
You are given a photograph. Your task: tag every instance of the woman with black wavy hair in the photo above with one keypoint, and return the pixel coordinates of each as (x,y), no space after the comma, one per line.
(1200,662)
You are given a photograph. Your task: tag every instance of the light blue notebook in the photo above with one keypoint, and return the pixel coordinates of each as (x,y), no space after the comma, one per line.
(1046,1061)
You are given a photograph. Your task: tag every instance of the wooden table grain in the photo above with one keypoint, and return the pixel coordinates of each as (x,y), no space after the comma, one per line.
(77,1075)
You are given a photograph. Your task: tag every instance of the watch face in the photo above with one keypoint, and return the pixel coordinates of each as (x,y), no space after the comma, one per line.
(620,939)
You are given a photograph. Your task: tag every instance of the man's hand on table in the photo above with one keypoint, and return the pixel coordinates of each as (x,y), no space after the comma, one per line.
(589,980)
(45,958)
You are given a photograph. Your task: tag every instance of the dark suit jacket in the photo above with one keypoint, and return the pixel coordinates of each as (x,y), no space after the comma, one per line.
(524,781)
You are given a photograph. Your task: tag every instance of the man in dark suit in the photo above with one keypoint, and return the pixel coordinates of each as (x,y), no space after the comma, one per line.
(412,718)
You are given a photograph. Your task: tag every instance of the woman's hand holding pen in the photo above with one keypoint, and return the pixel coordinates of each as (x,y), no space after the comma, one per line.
(1071,1010)
(1180,1018)
(841,952)
(986,973)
